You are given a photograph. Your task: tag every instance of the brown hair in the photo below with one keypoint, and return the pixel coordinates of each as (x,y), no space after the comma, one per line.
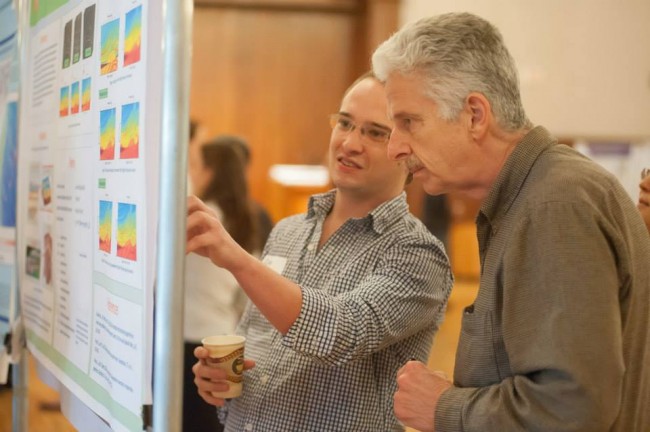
(229,190)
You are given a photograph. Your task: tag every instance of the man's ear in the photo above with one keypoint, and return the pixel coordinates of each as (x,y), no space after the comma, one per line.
(480,112)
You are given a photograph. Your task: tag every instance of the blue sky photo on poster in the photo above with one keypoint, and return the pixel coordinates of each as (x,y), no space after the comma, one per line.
(8,113)
(8,166)
(8,140)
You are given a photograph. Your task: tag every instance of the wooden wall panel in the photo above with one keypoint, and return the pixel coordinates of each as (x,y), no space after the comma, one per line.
(292,5)
(272,77)
(272,71)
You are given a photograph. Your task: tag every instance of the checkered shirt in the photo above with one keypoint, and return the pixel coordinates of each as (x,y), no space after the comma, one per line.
(373,296)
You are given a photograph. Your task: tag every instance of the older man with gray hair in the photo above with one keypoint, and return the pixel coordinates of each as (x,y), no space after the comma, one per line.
(558,338)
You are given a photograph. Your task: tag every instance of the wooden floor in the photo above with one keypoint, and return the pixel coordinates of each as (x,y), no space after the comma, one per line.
(44,415)
(43,411)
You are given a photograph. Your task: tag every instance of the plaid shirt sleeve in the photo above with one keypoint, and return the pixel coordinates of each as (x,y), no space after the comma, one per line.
(387,305)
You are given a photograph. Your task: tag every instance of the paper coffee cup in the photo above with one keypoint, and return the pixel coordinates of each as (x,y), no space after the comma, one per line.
(227,353)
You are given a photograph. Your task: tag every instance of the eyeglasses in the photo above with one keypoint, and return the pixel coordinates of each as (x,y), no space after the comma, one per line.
(374,132)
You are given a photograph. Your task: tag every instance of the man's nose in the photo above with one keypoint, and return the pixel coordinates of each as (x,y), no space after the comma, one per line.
(352,141)
(398,147)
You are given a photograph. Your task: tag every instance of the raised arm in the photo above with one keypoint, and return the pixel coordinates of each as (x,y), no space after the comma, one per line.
(278,298)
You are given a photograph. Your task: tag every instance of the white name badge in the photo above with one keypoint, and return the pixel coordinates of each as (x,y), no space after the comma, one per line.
(276,263)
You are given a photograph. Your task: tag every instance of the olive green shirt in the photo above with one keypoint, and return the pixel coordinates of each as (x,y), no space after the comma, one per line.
(558,338)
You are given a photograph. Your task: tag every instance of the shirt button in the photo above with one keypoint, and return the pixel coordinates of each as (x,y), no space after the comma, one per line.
(248,427)
(264,379)
(310,247)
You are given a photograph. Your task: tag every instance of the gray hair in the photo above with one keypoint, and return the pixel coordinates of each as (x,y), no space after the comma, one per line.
(456,54)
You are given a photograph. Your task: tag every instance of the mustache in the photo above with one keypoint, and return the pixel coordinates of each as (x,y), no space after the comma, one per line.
(413,164)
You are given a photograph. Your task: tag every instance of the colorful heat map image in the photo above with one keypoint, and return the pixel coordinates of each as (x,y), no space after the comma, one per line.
(126,231)
(110,41)
(85,94)
(64,102)
(132,36)
(129,136)
(46,190)
(74,98)
(105,225)
(107,134)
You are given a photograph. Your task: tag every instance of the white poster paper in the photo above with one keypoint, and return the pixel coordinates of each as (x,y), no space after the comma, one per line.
(89,152)
(8,173)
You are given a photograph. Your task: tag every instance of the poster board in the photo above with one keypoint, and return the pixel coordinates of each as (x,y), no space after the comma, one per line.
(88,169)
(8,143)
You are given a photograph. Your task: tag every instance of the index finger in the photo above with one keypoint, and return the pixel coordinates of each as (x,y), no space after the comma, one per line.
(194,204)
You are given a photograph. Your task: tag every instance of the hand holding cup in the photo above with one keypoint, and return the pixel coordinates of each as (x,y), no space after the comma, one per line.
(218,373)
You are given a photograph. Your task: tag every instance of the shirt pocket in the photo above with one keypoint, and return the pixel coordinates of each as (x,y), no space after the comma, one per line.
(476,364)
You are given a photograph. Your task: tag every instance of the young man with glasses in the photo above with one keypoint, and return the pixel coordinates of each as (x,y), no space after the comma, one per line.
(348,293)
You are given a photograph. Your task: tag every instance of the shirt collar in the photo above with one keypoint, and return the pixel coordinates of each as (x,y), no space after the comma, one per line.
(380,218)
(514,173)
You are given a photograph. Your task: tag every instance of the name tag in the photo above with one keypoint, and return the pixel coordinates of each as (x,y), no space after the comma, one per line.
(276,263)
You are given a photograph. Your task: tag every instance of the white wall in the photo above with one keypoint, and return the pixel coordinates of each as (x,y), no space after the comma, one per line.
(584,64)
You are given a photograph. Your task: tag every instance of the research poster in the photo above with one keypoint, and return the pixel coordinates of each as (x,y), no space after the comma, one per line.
(90,120)
(8,173)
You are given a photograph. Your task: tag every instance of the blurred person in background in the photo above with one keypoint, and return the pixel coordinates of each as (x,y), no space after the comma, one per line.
(214,301)
(264,221)
(198,137)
